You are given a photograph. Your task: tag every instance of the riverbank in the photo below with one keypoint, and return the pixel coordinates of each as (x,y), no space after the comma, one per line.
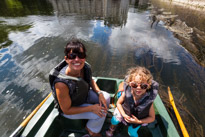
(198,5)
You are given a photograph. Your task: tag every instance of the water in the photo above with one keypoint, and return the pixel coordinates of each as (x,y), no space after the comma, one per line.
(118,34)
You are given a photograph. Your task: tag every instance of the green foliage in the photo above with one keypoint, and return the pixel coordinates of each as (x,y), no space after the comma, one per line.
(21,8)
(14,4)
(6,29)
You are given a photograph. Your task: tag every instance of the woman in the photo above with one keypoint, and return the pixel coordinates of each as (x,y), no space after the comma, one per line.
(74,100)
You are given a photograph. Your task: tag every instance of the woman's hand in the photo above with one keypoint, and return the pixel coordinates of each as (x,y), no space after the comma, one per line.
(102,101)
(99,110)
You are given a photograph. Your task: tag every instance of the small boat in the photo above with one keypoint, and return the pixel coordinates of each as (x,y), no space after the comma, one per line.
(45,120)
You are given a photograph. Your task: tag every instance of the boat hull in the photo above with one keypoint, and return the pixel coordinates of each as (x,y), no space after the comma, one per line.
(48,123)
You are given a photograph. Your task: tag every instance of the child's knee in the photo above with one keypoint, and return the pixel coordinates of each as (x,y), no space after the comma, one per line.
(114,121)
(107,98)
(133,131)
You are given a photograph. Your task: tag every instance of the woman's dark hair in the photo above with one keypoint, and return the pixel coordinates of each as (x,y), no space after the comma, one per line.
(74,45)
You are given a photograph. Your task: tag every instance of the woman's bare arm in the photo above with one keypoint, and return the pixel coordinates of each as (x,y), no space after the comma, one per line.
(64,100)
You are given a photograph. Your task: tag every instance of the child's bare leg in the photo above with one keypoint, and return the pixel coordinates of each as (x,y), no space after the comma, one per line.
(110,131)
(114,123)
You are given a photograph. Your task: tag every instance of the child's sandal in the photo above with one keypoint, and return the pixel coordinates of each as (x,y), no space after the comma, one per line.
(109,133)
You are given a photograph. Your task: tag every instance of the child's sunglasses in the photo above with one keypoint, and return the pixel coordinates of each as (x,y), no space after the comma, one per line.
(142,85)
(80,55)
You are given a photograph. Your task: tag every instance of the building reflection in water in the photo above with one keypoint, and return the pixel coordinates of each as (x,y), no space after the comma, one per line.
(113,12)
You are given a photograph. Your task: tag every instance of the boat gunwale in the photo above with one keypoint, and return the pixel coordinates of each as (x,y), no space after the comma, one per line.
(158,105)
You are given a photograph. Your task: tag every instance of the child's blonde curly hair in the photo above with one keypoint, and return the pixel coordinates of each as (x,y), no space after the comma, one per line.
(142,71)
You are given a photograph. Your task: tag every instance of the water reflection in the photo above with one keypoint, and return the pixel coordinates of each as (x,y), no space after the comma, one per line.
(114,13)
(191,37)
(138,34)
(20,8)
(6,28)
(101,33)
(188,28)
(117,35)
(139,5)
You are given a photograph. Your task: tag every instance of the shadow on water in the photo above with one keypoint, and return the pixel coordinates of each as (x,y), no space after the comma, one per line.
(118,34)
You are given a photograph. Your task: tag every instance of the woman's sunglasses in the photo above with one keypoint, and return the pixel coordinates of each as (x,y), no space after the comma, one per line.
(80,55)
(142,85)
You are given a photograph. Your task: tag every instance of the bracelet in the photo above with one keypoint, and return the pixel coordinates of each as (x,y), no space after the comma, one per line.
(100,92)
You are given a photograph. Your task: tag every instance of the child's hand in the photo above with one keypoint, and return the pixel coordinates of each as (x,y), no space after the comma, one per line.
(126,118)
(135,120)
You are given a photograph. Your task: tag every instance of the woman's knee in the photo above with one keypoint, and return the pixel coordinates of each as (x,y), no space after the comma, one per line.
(107,97)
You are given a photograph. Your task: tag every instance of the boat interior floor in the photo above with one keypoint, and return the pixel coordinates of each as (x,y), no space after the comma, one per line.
(63,127)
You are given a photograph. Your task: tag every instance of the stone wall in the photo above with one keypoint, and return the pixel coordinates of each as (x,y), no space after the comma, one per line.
(197,4)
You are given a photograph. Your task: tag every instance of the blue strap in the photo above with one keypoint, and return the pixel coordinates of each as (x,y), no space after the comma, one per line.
(119,93)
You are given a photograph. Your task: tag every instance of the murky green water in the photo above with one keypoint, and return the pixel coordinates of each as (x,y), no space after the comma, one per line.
(118,34)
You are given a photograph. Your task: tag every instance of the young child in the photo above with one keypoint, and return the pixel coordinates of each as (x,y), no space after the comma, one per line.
(135,105)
